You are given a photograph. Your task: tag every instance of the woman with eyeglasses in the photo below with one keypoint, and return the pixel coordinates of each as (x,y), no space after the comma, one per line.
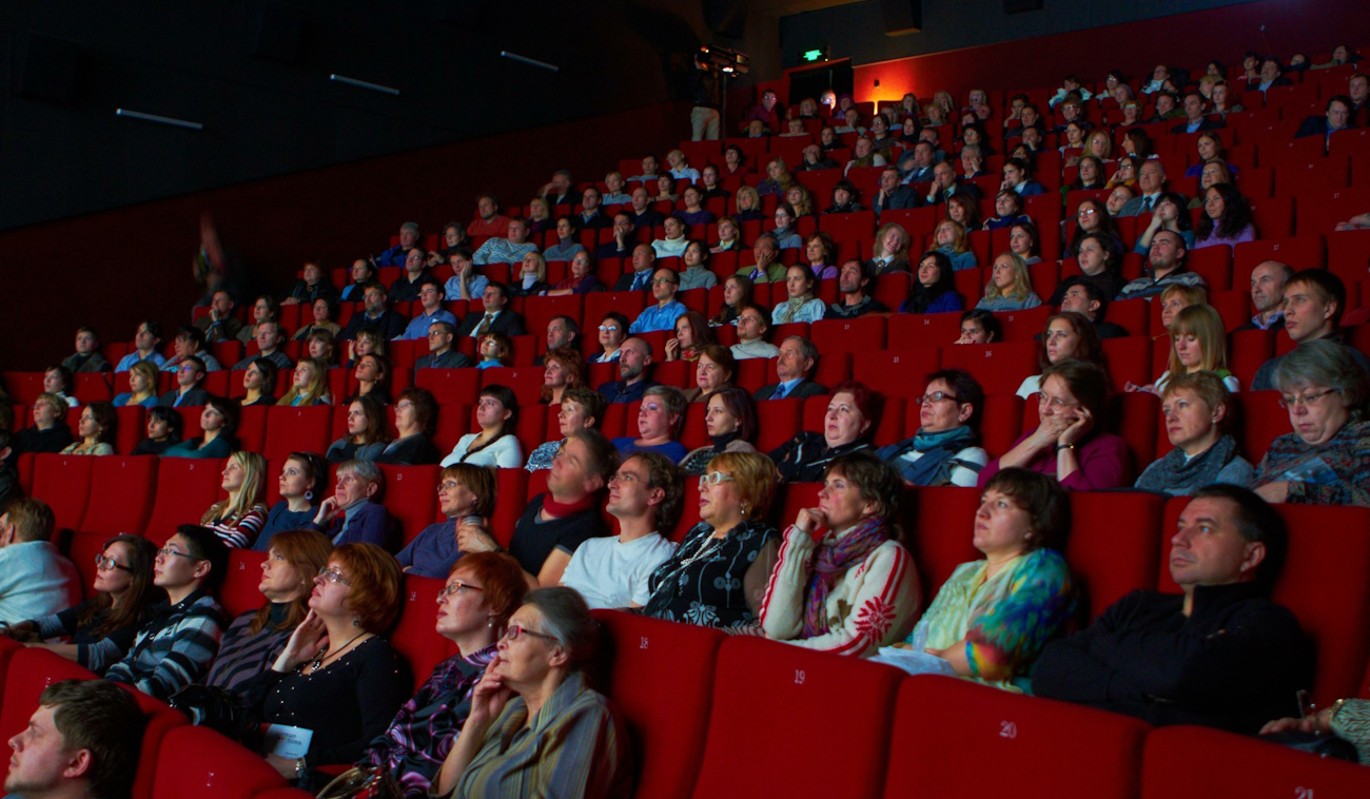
(466,498)
(1326,459)
(497,413)
(176,646)
(238,519)
(535,727)
(613,329)
(945,450)
(304,478)
(415,411)
(337,676)
(102,628)
(1069,443)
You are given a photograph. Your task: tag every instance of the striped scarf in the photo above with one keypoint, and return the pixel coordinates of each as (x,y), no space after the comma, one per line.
(832,560)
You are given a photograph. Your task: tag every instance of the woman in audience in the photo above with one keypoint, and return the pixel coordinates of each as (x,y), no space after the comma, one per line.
(363,272)
(218,421)
(730,420)
(951,239)
(1089,177)
(535,727)
(979,327)
(665,190)
(1022,241)
(100,630)
(365,438)
(709,184)
(49,432)
(1226,218)
(563,368)
(566,246)
(864,155)
(539,217)
(799,198)
(964,211)
(737,294)
(820,252)
(96,429)
(890,250)
(581,408)
(336,675)
(660,416)
(1008,209)
(1211,174)
(1117,198)
(785,235)
(532,277)
(846,199)
(1347,719)
(613,329)
(1069,443)
(1175,299)
(580,279)
(852,416)
(309,386)
(142,384)
(322,311)
(163,431)
(1199,344)
(1099,261)
(367,342)
(1222,100)
(800,305)
(1137,143)
(714,371)
(1170,214)
(1092,216)
(495,350)
(692,335)
(453,237)
(748,205)
(729,238)
(778,179)
(696,274)
(415,413)
(238,519)
(259,383)
(945,450)
(373,377)
(1068,335)
(734,161)
(1099,144)
(321,345)
(1125,174)
(265,309)
(1326,459)
(1009,287)
(312,285)
(935,289)
(1196,408)
(304,477)
(717,576)
(497,413)
(474,607)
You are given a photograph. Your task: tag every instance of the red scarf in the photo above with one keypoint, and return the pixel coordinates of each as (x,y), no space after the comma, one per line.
(561,510)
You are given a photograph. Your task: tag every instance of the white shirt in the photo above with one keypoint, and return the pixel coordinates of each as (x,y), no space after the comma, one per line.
(612,574)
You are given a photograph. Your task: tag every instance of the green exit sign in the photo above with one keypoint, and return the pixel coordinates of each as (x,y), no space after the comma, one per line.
(813,55)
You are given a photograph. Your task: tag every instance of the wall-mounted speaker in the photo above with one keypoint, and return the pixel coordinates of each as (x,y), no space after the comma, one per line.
(48,69)
(902,17)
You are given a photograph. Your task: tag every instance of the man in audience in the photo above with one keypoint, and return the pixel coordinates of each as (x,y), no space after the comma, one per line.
(853,282)
(680,168)
(752,325)
(441,354)
(1084,297)
(1358,92)
(1221,655)
(644,265)
(624,240)
(767,267)
(375,316)
(188,393)
(1166,109)
(944,185)
(1195,119)
(406,287)
(590,217)
(190,341)
(1150,185)
(1313,303)
(1268,280)
(1166,262)
(645,496)
(649,170)
(917,165)
(558,190)
(662,316)
(813,159)
(145,344)
(1018,177)
(1336,118)
(87,357)
(9,479)
(508,250)
(465,283)
(562,332)
(220,324)
(674,242)
(409,240)
(798,357)
(430,296)
(634,361)
(489,223)
(35,580)
(891,195)
(497,317)
(82,741)
(1271,75)
(972,162)
(614,196)
(643,214)
(768,111)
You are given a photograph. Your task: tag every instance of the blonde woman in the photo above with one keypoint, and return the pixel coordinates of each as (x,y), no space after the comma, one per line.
(1100,145)
(951,239)
(748,205)
(142,383)
(532,278)
(238,519)
(309,386)
(1198,344)
(1009,288)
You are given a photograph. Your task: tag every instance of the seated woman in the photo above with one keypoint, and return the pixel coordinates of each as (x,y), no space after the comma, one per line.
(853,414)
(730,420)
(1009,287)
(322,312)
(582,408)
(539,217)
(1199,345)
(964,211)
(321,345)
(1347,719)
(142,384)
(1196,409)
(304,477)
(415,412)
(1326,460)
(531,279)
(729,237)
(665,189)
(1092,216)
(1022,242)
(613,329)
(350,515)
(737,294)
(1008,209)
(218,421)
(494,350)
(1069,443)
(580,278)
(365,438)
(1125,174)
(497,413)
(717,576)
(163,431)
(312,285)
(991,618)
(1213,172)
(59,380)
(786,237)
(336,676)
(238,519)
(49,432)
(1117,198)
(259,383)
(979,327)
(890,250)
(1068,335)
(535,727)
(265,309)
(800,304)
(714,371)
(1090,176)
(659,419)
(935,289)
(309,386)
(824,593)
(566,247)
(952,241)
(453,236)
(945,450)
(101,629)
(563,369)
(1209,147)
(692,335)
(846,199)
(1170,214)
(474,607)
(820,252)
(694,213)
(96,429)
(748,202)
(373,377)
(466,498)
(1226,218)
(1176,298)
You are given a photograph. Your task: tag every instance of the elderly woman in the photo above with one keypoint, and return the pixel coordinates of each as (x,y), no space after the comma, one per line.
(563,369)
(238,519)
(1196,408)
(259,383)
(659,419)
(415,411)
(337,677)
(349,515)
(535,727)
(580,278)
(613,329)
(730,420)
(1009,287)
(497,413)
(308,386)
(1326,459)
(852,416)
(96,428)
(1068,443)
(101,629)
(481,593)
(142,384)
(304,477)
(218,420)
(49,432)
(466,498)
(581,408)
(855,588)
(692,334)
(365,437)
(1068,335)
(945,450)
(717,576)
(714,371)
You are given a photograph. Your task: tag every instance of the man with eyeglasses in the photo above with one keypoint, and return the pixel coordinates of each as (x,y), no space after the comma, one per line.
(35,580)
(406,287)
(646,496)
(1313,303)
(189,375)
(375,315)
(440,353)
(430,295)
(667,310)
(634,359)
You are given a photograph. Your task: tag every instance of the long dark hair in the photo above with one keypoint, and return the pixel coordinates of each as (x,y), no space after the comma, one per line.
(108,617)
(1236,214)
(920,296)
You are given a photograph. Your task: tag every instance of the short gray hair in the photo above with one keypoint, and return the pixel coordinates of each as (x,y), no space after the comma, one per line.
(1326,363)
(566,617)
(366,471)
(675,403)
(413,227)
(806,348)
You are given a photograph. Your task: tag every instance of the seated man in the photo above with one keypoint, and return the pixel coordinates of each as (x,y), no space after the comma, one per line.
(794,366)
(1268,281)
(83,740)
(1084,297)
(917,165)
(1221,655)
(1195,115)
(1336,118)
(634,360)
(465,283)
(220,324)
(489,223)
(190,342)
(441,355)
(409,240)
(680,168)
(945,185)
(853,299)
(614,196)
(1271,74)
(644,266)
(466,498)
(623,242)
(642,213)
(1018,177)
(375,315)
(430,295)
(87,357)
(590,216)
(35,580)
(1150,187)
(1313,304)
(674,242)
(562,333)
(893,196)
(558,189)
(646,496)
(752,325)
(508,250)
(667,310)
(188,393)
(814,159)
(497,317)
(269,339)
(1165,260)
(766,267)
(406,287)
(145,343)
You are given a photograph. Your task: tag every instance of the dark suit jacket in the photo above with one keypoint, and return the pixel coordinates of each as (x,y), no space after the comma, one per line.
(1206,124)
(448,360)
(1313,126)
(508,323)
(902,197)
(196,396)
(389,324)
(1031,189)
(806,388)
(625,282)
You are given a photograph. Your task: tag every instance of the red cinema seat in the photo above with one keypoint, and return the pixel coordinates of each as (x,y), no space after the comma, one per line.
(999,368)
(411,497)
(1114,546)
(1135,417)
(1263,420)
(63,481)
(82,549)
(777,421)
(938,525)
(30,672)
(414,635)
(1023,325)
(239,593)
(1237,765)
(92,387)
(895,373)
(296,430)
(922,332)
(512,492)
(450,385)
(132,428)
(196,761)
(1303,252)
(121,494)
(863,334)
(1129,361)
(186,487)
(251,432)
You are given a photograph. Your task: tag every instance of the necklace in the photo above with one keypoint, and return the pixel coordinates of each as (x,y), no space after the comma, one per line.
(708,547)
(324,653)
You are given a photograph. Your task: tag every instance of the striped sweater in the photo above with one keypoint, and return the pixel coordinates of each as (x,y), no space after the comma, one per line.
(174,649)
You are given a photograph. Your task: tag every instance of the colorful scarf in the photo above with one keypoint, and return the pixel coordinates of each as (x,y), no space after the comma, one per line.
(832,560)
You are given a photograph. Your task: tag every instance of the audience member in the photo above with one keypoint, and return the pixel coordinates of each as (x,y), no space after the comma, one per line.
(1196,408)
(163,431)
(634,361)
(852,416)
(581,409)
(1314,300)
(218,423)
(466,498)
(146,342)
(365,438)
(415,411)
(945,449)
(87,357)
(497,414)
(350,515)
(509,249)
(498,318)
(934,291)
(660,417)
(82,740)
(95,430)
(1166,268)
(35,579)
(304,478)
(1268,281)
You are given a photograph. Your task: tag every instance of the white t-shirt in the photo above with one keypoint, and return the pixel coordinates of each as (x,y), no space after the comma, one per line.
(611,574)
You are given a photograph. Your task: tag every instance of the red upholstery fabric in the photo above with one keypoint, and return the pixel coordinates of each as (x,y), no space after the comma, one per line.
(1194,762)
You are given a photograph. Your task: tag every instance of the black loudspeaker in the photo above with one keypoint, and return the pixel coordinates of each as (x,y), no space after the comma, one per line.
(48,71)
(726,17)
(274,32)
(1019,6)
(902,16)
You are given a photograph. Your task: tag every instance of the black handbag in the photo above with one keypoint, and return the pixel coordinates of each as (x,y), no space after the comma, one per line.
(216,709)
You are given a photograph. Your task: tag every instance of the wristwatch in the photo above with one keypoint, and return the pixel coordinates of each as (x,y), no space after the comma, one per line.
(301,770)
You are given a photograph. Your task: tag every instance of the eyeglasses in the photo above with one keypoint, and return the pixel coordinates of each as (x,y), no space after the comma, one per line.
(937,396)
(1306,400)
(657,281)
(714,478)
(166,552)
(623,477)
(1056,403)
(1086,212)
(448,485)
(608,328)
(516,631)
(333,575)
(457,587)
(102,563)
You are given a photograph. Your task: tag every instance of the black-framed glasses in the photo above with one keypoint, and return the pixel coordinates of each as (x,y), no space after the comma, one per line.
(167,552)
(102,563)
(937,396)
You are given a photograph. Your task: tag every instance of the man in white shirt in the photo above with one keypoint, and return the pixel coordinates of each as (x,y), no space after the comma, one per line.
(35,580)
